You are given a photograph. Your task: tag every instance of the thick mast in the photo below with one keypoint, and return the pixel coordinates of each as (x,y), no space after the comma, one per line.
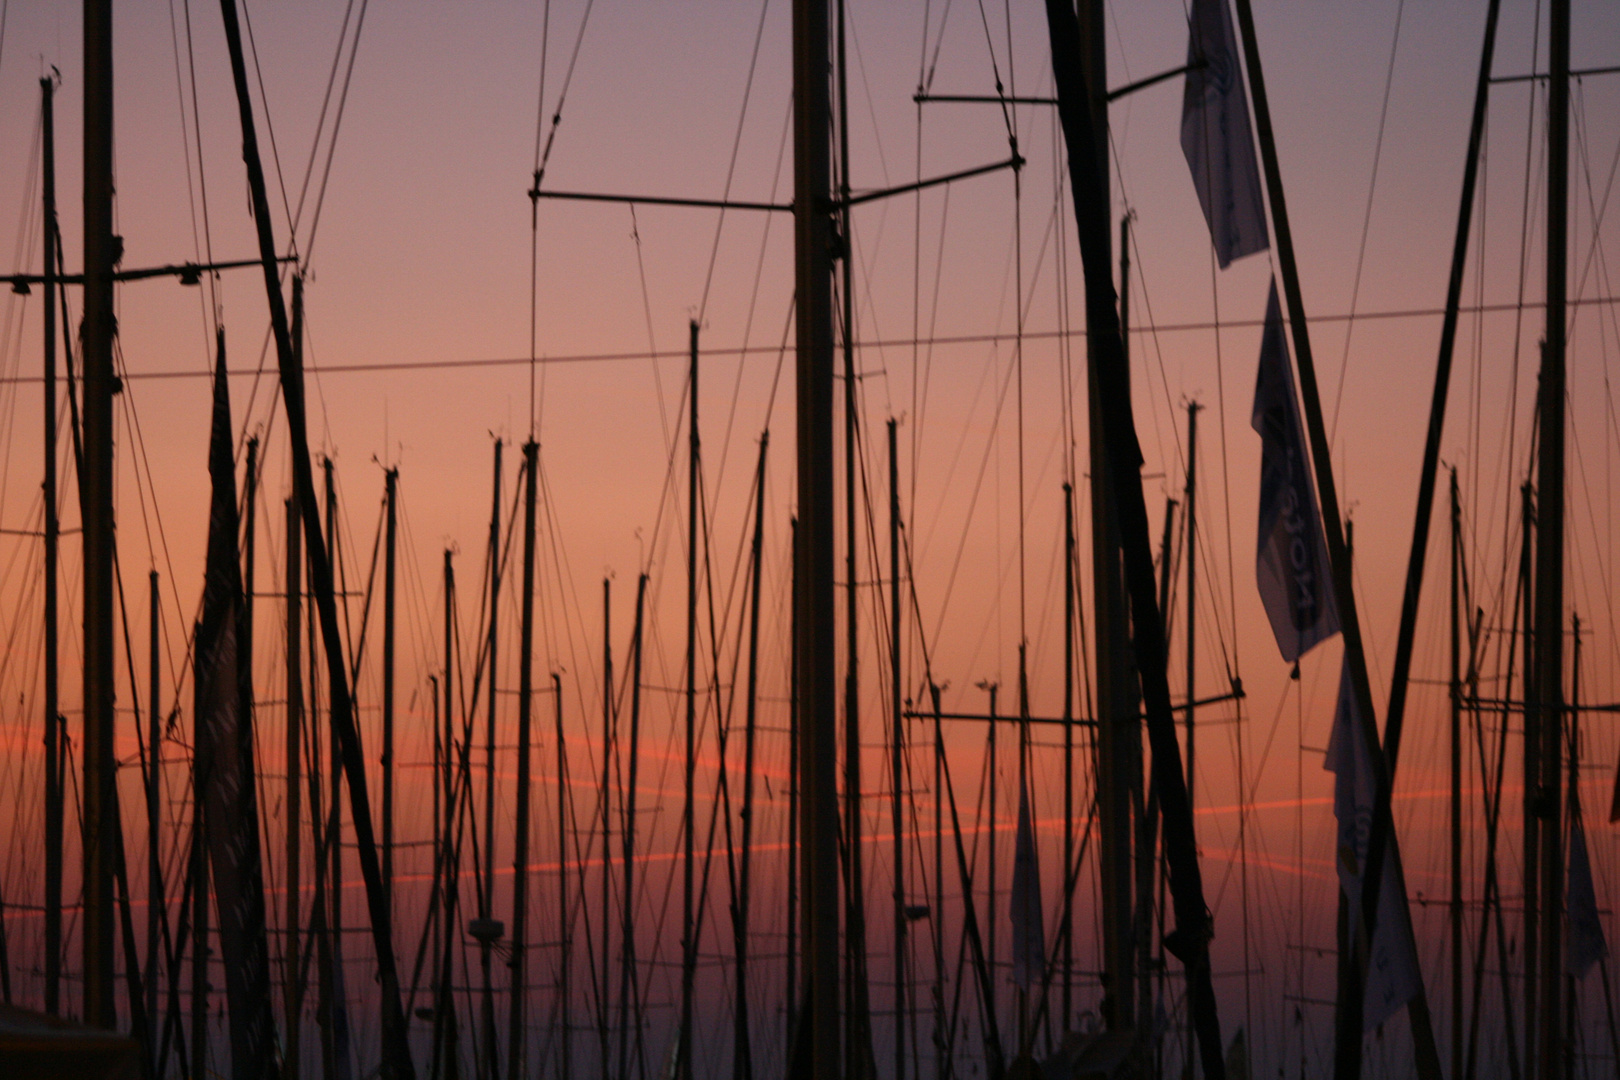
(1549,608)
(814,653)
(53,720)
(1116,719)
(96,501)
(1191,555)
(1189,941)
(517,1042)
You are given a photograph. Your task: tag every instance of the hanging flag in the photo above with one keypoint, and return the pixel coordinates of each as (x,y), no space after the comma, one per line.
(223,769)
(1292,565)
(1586,945)
(1216,139)
(1028,927)
(1392,968)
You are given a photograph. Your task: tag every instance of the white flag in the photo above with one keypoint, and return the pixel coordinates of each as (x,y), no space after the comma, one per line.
(1392,968)
(1028,927)
(1216,139)
(1586,944)
(1292,564)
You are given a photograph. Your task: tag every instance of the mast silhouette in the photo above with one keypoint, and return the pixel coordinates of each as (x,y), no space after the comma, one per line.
(517,1044)
(98,794)
(488,1068)
(52,528)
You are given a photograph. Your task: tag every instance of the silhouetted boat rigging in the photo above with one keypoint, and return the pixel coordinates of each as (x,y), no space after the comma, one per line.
(825,991)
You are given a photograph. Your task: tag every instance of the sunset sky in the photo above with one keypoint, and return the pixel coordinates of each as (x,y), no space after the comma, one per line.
(419,296)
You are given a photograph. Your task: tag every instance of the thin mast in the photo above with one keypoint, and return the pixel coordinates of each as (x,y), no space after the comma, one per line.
(608,740)
(391,493)
(154,816)
(627,933)
(294,988)
(1530,878)
(96,501)
(565,963)
(486,943)
(1191,555)
(1067,935)
(53,720)
(1456,908)
(744,1059)
(689,817)
(517,1042)
(897,751)
(337,1006)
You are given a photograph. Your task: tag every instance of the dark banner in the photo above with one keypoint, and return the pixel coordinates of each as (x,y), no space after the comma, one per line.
(224,766)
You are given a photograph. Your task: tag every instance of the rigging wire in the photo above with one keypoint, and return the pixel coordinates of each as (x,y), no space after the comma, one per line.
(1366,218)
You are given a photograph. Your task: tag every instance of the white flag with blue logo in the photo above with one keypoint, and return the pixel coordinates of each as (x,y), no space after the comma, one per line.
(1216,138)
(1296,584)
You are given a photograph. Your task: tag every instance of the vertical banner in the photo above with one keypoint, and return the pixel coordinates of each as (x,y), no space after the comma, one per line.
(1216,137)
(1291,565)
(224,774)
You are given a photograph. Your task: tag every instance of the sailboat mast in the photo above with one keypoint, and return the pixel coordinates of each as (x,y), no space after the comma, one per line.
(96,500)
(689,815)
(294,989)
(1191,555)
(1067,934)
(1116,722)
(1550,550)
(517,1042)
(604,1009)
(154,796)
(627,933)
(390,494)
(814,652)
(1456,907)
(897,762)
(565,962)
(53,721)
(744,1059)
(486,1045)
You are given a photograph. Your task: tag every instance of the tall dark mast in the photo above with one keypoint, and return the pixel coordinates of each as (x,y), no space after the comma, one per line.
(1549,608)
(689,817)
(154,801)
(565,961)
(486,942)
(897,763)
(517,1044)
(96,500)
(628,1005)
(604,1009)
(294,991)
(391,493)
(814,652)
(743,1062)
(53,718)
